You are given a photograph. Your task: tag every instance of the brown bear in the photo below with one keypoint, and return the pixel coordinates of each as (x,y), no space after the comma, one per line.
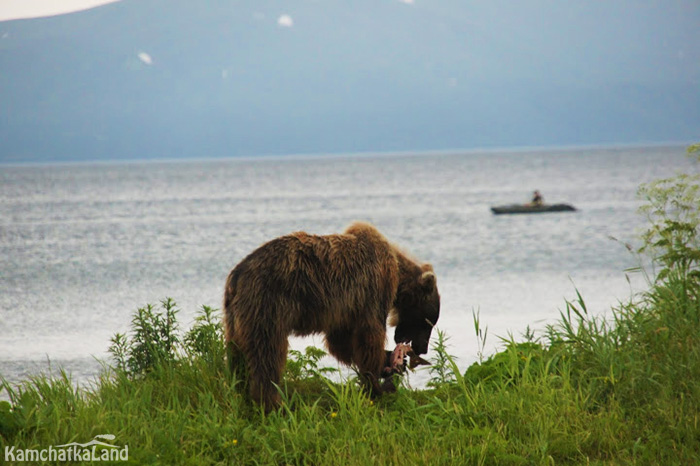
(345,286)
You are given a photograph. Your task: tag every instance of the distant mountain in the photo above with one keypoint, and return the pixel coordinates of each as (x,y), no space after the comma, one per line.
(180,78)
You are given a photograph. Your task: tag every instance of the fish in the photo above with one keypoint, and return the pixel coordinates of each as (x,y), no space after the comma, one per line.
(398,357)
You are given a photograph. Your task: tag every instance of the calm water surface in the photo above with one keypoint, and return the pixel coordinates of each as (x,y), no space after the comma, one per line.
(82,246)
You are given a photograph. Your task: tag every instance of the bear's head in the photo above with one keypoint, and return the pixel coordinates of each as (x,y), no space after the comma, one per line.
(416,309)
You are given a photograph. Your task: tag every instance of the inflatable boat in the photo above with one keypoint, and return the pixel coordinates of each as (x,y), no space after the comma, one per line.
(531,209)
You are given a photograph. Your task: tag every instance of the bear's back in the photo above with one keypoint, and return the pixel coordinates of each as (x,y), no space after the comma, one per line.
(315,279)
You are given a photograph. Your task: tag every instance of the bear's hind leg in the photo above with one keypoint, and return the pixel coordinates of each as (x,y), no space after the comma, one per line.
(236,355)
(236,360)
(266,365)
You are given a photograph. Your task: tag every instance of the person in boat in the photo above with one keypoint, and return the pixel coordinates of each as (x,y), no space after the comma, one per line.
(537,199)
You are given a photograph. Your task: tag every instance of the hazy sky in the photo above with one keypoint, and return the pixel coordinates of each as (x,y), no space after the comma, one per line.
(16,9)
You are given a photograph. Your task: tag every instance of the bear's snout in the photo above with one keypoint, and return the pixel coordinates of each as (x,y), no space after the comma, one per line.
(419,347)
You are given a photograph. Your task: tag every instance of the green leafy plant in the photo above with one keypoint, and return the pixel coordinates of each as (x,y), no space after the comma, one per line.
(206,335)
(119,349)
(155,339)
(673,210)
(442,364)
(301,365)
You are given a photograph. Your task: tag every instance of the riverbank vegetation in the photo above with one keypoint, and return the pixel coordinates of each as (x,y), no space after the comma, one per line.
(617,389)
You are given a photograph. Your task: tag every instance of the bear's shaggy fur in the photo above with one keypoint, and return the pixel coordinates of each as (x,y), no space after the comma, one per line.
(342,285)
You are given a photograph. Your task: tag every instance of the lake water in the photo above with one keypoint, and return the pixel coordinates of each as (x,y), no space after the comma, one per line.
(82,246)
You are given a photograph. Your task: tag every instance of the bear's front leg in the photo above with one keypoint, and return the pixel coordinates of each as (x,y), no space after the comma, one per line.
(369,357)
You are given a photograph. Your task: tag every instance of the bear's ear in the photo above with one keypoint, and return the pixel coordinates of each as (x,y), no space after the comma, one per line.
(427,281)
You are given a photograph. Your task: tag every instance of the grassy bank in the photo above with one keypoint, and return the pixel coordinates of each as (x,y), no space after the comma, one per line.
(625,391)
